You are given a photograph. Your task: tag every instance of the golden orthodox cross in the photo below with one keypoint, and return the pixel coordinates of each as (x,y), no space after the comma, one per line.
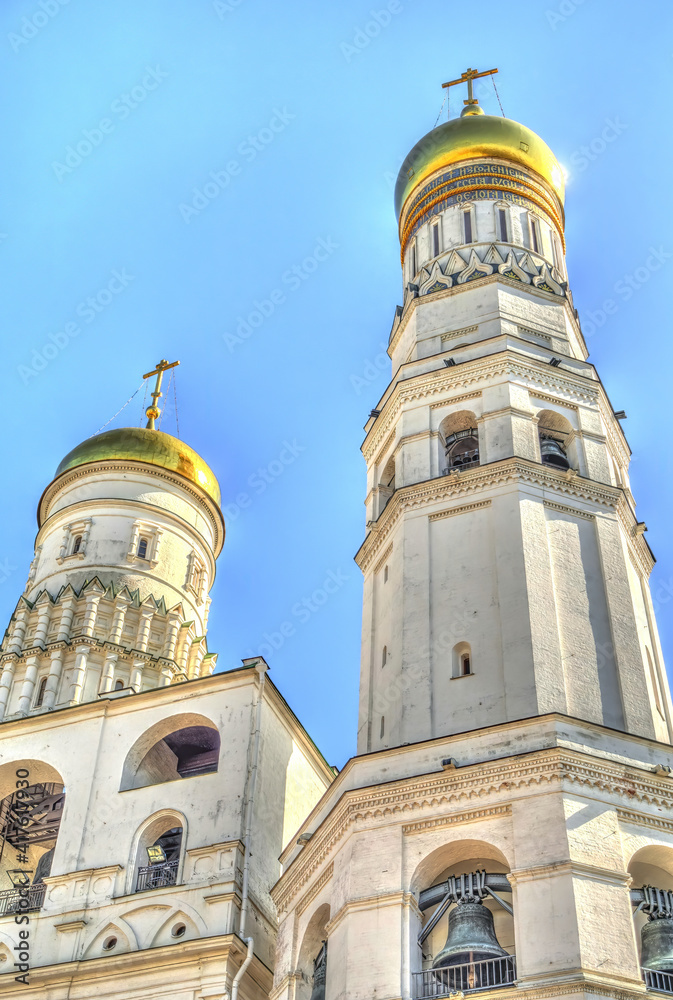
(467,77)
(152,412)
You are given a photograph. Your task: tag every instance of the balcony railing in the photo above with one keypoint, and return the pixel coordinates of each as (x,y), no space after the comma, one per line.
(155,876)
(467,978)
(22,900)
(661,982)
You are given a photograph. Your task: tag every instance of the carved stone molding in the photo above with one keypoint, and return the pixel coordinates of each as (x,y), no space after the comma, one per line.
(643,819)
(472,816)
(308,897)
(459,510)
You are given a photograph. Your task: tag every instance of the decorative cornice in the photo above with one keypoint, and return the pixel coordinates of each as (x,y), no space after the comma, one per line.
(309,896)
(456,399)
(445,488)
(472,816)
(437,790)
(573,511)
(643,819)
(460,510)
(380,564)
(377,902)
(446,380)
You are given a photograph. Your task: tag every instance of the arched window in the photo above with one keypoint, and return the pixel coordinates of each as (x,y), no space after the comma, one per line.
(119,685)
(468,226)
(502,224)
(182,746)
(434,230)
(40,693)
(462,449)
(535,237)
(559,443)
(77,545)
(412,260)
(159,860)
(142,548)
(462,665)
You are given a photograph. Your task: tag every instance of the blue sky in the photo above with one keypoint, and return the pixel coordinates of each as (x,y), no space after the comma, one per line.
(304,118)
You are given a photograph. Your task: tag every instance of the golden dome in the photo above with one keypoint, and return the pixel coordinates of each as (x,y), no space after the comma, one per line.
(473,136)
(151,447)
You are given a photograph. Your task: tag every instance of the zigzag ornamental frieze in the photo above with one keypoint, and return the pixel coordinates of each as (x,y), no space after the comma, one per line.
(444,488)
(443,380)
(308,897)
(642,819)
(472,816)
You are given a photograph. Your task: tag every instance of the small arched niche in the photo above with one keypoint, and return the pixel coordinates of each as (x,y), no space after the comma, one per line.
(461,858)
(181,746)
(558,441)
(459,441)
(461,660)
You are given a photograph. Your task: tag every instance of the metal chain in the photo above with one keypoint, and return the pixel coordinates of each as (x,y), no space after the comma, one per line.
(497,95)
(441,109)
(119,411)
(175,399)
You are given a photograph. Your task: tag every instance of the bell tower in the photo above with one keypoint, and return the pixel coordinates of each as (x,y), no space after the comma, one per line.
(505,568)
(506,823)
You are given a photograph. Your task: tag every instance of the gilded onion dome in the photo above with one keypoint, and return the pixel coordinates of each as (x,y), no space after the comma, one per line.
(444,167)
(146,446)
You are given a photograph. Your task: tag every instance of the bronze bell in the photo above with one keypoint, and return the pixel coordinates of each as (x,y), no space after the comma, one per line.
(320,974)
(471,937)
(657,944)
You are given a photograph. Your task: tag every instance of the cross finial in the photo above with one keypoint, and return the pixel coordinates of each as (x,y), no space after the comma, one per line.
(468,77)
(152,412)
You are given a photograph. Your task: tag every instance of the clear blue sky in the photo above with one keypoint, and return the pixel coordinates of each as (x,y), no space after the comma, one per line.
(305,122)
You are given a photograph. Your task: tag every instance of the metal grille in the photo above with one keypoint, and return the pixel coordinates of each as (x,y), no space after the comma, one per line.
(22,900)
(467,978)
(662,982)
(155,876)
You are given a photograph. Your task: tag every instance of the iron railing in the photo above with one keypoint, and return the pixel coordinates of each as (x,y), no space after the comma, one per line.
(22,900)
(155,876)
(467,978)
(662,982)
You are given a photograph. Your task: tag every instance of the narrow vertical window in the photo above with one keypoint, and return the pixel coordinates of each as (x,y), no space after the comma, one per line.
(383,726)
(385,575)
(40,692)
(558,253)
(384,656)
(77,545)
(412,260)
(502,224)
(142,548)
(465,667)
(535,234)
(467,226)
(435,240)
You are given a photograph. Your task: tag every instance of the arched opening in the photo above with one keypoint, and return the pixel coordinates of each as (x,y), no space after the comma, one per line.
(556,440)
(461,665)
(181,746)
(142,548)
(77,545)
(119,685)
(313,958)
(159,853)
(386,484)
(40,692)
(460,441)
(467,935)
(653,866)
(31,806)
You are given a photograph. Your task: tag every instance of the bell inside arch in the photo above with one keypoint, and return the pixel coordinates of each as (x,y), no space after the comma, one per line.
(320,974)
(552,453)
(471,937)
(657,944)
